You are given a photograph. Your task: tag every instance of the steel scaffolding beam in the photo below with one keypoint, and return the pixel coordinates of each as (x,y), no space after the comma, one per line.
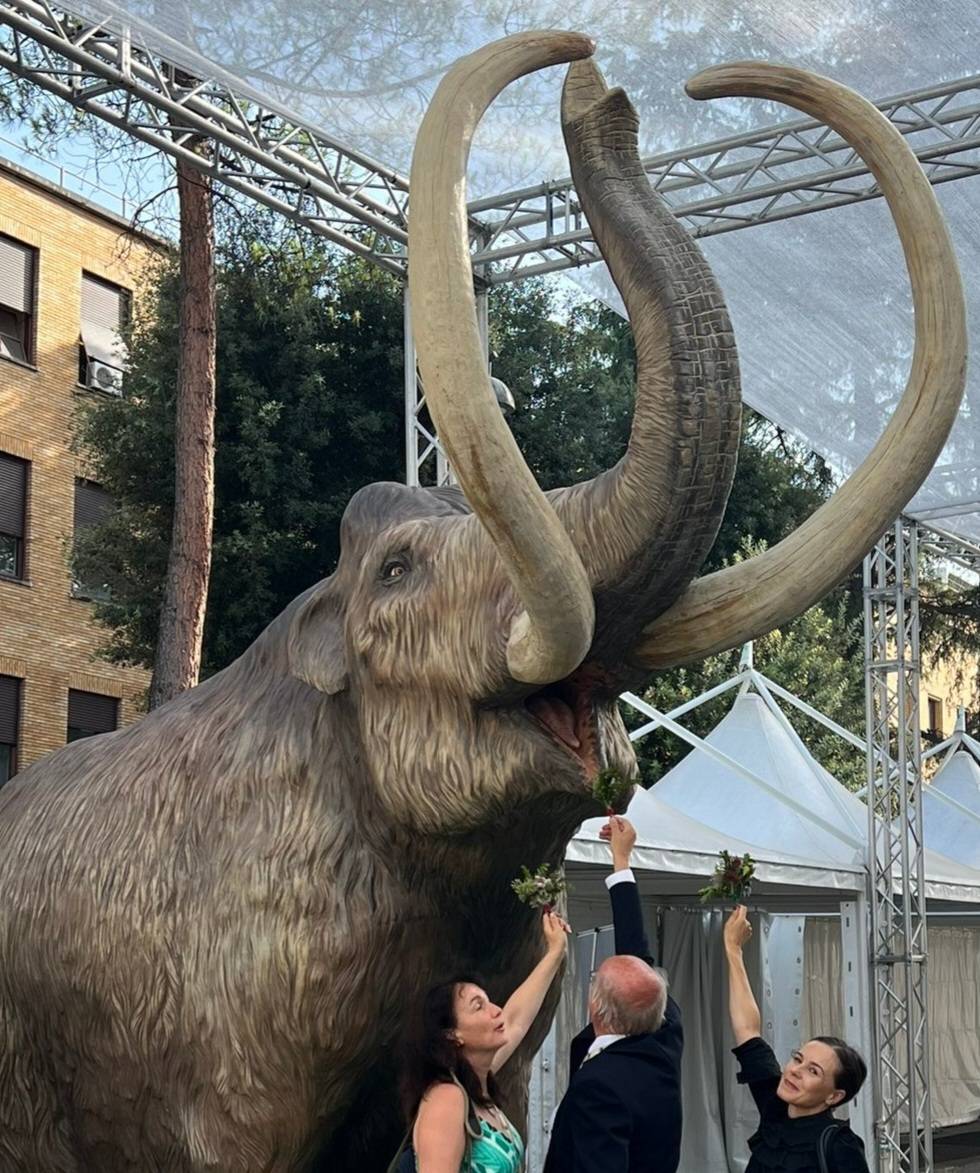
(298,171)
(896,864)
(254,148)
(770,174)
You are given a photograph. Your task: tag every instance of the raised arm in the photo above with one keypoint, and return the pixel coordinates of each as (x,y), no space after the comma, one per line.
(742,1006)
(630,935)
(523,1005)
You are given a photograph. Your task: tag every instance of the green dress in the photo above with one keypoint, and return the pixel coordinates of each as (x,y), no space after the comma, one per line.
(494,1152)
(490,1152)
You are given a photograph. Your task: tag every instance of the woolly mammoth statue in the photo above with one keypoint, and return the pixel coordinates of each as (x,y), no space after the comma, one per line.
(212,923)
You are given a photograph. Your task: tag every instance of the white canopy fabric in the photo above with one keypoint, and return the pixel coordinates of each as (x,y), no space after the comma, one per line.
(947,804)
(793,802)
(820,303)
(676,854)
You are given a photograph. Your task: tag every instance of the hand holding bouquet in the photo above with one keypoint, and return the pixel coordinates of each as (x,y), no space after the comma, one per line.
(732,879)
(611,789)
(540,889)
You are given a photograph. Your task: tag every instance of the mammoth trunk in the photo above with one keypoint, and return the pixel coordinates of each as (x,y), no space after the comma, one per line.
(644,527)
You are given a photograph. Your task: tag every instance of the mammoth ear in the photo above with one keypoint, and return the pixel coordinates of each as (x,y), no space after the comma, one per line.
(315,643)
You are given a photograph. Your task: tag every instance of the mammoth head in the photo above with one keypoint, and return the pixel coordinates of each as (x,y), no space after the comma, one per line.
(513,616)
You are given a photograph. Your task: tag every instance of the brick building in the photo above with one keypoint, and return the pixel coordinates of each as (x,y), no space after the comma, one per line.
(66,269)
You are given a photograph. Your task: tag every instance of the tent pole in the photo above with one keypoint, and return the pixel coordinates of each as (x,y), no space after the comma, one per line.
(856,991)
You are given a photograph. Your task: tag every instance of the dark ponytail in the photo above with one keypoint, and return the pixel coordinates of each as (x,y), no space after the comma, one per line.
(853,1069)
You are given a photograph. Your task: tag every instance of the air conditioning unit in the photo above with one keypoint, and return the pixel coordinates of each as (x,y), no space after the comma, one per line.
(102,377)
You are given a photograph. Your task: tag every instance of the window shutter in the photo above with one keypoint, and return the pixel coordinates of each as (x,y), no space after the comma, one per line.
(16,276)
(101,304)
(13,495)
(92,504)
(9,709)
(90,712)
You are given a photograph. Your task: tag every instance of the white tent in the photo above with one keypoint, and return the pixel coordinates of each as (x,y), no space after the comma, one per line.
(772,789)
(951,808)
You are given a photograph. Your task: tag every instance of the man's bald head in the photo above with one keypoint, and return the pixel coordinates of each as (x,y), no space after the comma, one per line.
(627,997)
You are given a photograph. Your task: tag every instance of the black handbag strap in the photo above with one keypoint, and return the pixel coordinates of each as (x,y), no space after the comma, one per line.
(823,1145)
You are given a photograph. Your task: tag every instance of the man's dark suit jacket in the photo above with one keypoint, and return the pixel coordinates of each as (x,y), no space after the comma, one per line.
(622,1110)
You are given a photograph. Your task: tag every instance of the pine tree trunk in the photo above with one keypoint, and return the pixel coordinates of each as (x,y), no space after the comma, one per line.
(178,655)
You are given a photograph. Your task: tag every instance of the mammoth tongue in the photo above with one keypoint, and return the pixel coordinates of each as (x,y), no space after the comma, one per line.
(557,716)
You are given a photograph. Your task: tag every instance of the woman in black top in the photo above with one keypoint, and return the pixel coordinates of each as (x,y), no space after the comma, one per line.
(795,1102)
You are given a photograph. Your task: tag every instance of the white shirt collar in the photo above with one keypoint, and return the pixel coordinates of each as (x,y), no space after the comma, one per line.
(600,1043)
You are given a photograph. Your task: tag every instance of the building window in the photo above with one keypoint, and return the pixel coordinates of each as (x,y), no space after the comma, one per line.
(13,510)
(18,264)
(90,713)
(102,353)
(9,725)
(92,506)
(935,716)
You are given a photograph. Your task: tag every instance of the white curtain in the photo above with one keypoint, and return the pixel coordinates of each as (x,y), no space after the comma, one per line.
(719,1113)
(954,1009)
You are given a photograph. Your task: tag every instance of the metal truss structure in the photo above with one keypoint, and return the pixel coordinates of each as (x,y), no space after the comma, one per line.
(748,179)
(257,149)
(252,148)
(903,1126)
(301,172)
(896,863)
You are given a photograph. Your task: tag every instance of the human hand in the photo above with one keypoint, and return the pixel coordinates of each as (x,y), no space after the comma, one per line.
(556,930)
(620,834)
(738,931)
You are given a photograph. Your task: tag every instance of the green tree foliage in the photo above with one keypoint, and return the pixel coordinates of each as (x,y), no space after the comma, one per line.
(816,657)
(310,380)
(309,409)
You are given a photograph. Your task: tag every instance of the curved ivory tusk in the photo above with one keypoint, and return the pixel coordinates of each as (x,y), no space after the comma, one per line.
(549,639)
(733,605)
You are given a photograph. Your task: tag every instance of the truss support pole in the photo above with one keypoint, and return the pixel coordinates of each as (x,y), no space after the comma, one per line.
(421,442)
(903,1125)
(411,396)
(856,997)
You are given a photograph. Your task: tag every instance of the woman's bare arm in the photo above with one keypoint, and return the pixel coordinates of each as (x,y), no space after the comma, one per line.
(523,1005)
(742,1007)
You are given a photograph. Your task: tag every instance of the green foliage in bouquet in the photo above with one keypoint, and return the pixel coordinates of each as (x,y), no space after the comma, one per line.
(732,879)
(610,788)
(540,889)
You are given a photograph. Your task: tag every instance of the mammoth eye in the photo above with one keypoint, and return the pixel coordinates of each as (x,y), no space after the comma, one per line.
(394,569)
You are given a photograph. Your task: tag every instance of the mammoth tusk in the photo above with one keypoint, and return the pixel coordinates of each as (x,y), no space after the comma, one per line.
(733,605)
(549,639)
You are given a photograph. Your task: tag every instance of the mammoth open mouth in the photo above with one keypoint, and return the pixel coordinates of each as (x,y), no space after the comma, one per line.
(566,711)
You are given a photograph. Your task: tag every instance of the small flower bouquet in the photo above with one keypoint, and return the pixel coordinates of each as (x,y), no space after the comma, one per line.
(610,789)
(732,879)
(540,889)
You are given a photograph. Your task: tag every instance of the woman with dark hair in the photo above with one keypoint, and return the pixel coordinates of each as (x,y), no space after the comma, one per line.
(797,1130)
(462,1041)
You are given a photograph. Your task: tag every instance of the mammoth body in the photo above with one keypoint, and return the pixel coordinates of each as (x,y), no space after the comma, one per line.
(214,924)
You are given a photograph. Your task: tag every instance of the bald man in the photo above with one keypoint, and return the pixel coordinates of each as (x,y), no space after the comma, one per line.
(622,1110)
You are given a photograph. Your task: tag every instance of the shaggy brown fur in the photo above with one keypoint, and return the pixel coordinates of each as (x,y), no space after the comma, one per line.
(214,923)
